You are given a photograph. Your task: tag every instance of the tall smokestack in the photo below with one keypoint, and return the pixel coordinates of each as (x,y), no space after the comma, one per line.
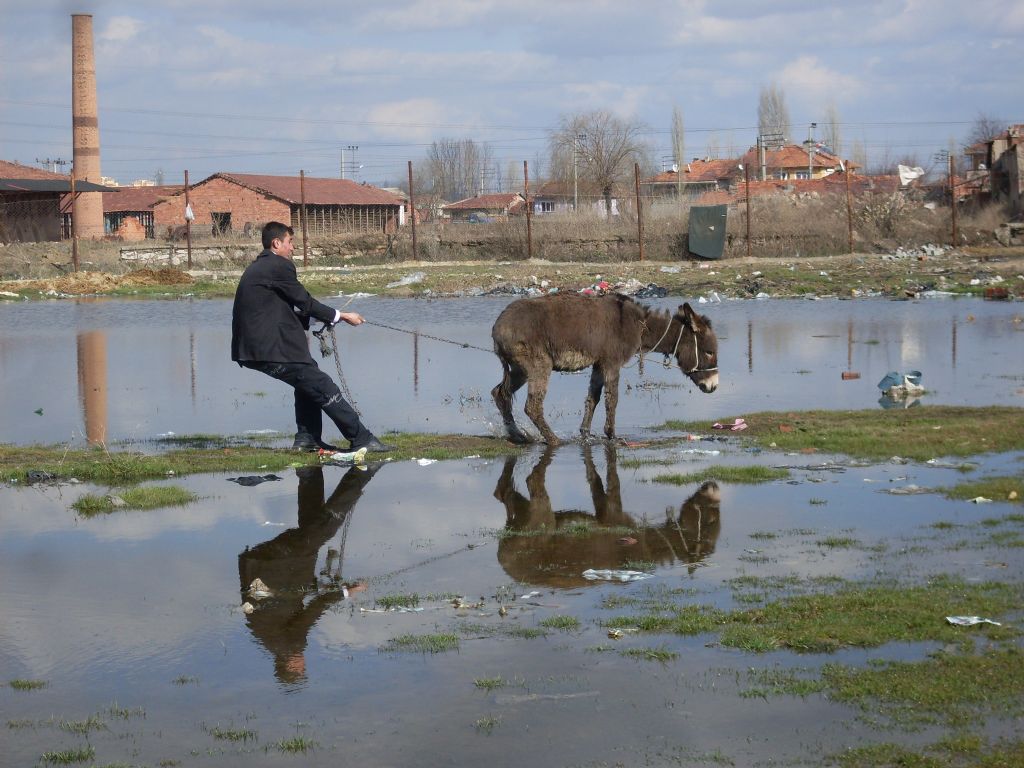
(88,210)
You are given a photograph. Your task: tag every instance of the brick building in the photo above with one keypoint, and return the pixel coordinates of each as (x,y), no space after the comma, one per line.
(242,202)
(30,202)
(128,203)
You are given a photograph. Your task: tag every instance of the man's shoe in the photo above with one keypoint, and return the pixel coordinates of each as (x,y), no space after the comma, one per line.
(305,443)
(374,446)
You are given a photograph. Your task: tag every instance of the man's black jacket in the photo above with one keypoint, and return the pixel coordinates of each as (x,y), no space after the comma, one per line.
(272,312)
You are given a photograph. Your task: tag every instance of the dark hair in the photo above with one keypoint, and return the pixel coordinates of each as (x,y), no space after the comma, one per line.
(275,230)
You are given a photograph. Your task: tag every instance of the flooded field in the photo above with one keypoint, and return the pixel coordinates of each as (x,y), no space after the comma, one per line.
(424,614)
(116,370)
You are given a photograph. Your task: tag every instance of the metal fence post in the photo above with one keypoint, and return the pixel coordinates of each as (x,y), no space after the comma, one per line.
(302,200)
(639,211)
(412,215)
(188,223)
(526,190)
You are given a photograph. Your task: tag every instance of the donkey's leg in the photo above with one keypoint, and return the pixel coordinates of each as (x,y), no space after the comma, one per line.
(611,400)
(593,397)
(538,389)
(512,380)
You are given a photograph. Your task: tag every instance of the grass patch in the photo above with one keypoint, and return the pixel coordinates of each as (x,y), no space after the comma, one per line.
(232,734)
(398,601)
(69,756)
(490,683)
(83,727)
(764,535)
(185,680)
(918,433)
(660,654)
(562,623)
(487,724)
(955,752)
(948,688)
(430,643)
(19,684)
(724,474)
(149,497)
(838,542)
(297,745)
(774,682)
(995,488)
(122,468)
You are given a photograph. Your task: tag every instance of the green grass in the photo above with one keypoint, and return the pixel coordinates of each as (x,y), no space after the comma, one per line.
(122,468)
(839,542)
(398,601)
(232,734)
(489,683)
(429,643)
(83,727)
(962,751)
(562,623)
(660,654)
(148,497)
(995,488)
(947,688)
(774,682)
(19,684)
(920,433)
(69,756)
(487,724)
(725,474)
(296,745)
(185,680)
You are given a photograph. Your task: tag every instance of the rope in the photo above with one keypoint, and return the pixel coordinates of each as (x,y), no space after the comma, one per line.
(328,350)
(462,344)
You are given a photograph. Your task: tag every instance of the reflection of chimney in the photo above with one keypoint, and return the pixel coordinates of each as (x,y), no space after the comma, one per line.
(85,123)
(92,384)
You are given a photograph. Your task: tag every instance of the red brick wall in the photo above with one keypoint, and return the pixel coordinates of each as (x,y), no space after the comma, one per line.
(220,196)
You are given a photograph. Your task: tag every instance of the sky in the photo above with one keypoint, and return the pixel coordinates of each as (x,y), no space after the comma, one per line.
(273,87)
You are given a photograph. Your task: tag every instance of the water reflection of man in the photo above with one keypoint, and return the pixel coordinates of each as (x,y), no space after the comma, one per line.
(554,553)
(287,565)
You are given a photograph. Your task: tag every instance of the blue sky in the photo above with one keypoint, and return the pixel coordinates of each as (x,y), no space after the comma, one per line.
(272,87)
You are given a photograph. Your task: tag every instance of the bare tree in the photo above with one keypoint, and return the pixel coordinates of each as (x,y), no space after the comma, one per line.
(458,168)
(772,113)
(713,146)
(831,136)
(606,148)
(859,155)
(158,177)
(678,147)
(984,128)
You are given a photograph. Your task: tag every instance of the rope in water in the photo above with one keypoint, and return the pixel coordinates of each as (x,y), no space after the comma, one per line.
(463,344)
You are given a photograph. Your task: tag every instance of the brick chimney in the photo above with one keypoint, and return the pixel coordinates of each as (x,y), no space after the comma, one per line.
(85,127)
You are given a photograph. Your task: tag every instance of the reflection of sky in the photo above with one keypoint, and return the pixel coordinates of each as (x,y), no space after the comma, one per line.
(774,355)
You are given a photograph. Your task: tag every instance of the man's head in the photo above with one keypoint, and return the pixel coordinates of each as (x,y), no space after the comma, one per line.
(278,238)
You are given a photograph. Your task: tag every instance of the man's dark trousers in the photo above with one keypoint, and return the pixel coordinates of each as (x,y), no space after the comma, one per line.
(315,394)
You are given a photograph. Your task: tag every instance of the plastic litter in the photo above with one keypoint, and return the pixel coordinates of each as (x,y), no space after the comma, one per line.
(258,590)
(247,608)
(528,595)
(737,426)
(701,452)
(608,574)
(980,500)
(425,462)
(345,457)
(415,277)
(970,621)
(897,385)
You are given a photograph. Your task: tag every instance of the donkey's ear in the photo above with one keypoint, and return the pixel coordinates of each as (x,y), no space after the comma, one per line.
(688,316)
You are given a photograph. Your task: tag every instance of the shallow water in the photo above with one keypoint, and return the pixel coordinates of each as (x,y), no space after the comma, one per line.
(140,611)
(102,369)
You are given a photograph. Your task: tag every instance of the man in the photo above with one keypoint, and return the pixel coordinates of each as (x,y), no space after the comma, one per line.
(269,320)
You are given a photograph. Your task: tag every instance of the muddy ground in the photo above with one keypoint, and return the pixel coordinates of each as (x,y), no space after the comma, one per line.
(977,270)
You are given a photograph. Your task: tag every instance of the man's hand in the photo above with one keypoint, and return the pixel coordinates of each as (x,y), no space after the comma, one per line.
(352,318)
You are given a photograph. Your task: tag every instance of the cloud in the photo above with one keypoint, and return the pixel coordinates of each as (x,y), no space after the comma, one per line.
(120,29)
(427,14)
(812,83)
(410,119)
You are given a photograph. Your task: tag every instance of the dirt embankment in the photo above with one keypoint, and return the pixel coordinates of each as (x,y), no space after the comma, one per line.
(89,283)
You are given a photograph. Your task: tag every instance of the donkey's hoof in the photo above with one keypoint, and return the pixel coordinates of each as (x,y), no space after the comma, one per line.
(519,437)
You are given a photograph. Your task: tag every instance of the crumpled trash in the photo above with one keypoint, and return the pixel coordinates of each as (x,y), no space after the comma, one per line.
(899,385)
(247,608)
(670,270)
(609,574)
(258,590)
(39,476)
(980,500)
(250,480)
(344,457)
(415,277)
(425,462)
(970,621)
(528,595)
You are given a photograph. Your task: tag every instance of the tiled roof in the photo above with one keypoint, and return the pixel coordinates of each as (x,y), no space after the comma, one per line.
(10,170)
(128,199)
(791,156)
(318,191)
(495,202)
(830,185)
(565,189)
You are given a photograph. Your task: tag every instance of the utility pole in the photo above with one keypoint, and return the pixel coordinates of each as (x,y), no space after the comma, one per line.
(353,148)
(302,201)
(764,141)
(746,178)
(188,222)
(639,211)
(952,195)
(810,150)
(579,137)
(412,215)
(54,163)
(74,233)
(526,192)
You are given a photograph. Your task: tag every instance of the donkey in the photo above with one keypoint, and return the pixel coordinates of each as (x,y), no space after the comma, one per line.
(570,332)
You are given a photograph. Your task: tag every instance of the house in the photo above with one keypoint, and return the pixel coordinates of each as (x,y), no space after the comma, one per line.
(833,184)
(694,179)
(30,202)
(1001,160)
(485,207)
(790,161)
(562,197)
(244,202)
(128,203)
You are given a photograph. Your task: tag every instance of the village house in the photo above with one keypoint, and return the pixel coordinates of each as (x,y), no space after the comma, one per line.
(997,167)
(128,212)
(693,179)
(30,201)
(241,202)
(483,208)
(562,197)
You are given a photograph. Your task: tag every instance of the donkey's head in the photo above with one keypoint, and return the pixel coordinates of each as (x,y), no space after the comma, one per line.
(697,349)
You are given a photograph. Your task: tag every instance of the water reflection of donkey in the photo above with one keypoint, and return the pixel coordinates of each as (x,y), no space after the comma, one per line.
(287,565)
(542,545)
(570,332)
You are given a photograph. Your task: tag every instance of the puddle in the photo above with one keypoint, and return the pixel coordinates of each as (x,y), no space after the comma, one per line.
(143,609)
(133,370)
